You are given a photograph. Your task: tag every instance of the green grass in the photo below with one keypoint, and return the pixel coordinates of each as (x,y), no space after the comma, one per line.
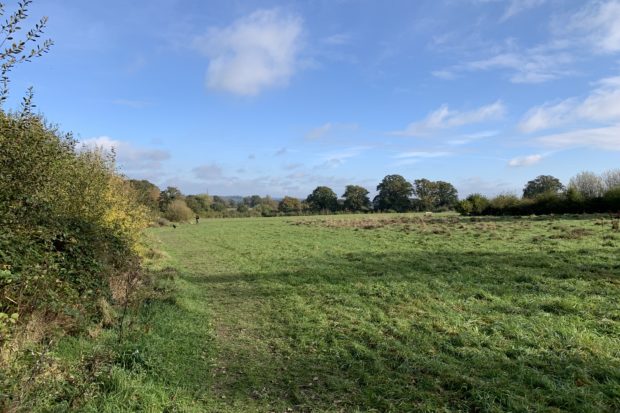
(379,313)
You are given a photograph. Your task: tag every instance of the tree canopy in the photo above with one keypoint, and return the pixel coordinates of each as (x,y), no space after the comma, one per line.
(542,184)
(323,198)
(394,193)
(356,198)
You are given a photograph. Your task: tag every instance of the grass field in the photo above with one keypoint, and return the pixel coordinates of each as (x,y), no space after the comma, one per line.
(386,313)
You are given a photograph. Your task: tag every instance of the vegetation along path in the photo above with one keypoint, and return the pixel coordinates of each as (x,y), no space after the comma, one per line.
(390,313)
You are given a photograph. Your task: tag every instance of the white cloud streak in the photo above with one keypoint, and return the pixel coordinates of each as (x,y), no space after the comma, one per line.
(445,118)
(525,160)
(601,105)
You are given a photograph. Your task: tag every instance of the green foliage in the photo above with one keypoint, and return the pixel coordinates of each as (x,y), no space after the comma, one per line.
(474,204)
(434,196)
(394,193)
(147,193)
(200,204)
(68,224)
(541,185)
(178,211)
(356,198)
(290,206)
(167,196)
(323,198)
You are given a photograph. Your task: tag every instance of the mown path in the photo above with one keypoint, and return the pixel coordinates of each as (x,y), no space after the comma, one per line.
(338,314)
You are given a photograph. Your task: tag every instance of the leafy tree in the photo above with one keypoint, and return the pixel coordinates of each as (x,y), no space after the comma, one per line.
(224,202)
(147,193)
(289,205)
(474,204)
(178,211)
(356,198)
(167,196)
(252,201)
(323,199)
(269,203)
(587,184)
(200,204)
(242,208)
(394,193)
(435,194)
(543,184)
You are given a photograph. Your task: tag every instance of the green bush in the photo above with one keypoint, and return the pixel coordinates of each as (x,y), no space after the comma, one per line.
(178,211)
(68,222)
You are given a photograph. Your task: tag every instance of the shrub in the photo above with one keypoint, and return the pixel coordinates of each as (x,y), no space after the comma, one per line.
(178,211)
(68,221)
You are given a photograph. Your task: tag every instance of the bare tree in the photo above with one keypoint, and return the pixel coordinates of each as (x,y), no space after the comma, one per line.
(611,179)
(588,184)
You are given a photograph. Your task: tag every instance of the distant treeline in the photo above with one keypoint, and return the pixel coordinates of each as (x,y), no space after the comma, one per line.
(585,193)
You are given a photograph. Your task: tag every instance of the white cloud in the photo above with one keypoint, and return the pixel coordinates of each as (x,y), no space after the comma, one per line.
(525,160)
(606,138)
(465,139)
(598,23)
(528,66)
(421,154)
(256,52)
(444,118)
(519,6)
(128,156)
(574,36)
(601,105)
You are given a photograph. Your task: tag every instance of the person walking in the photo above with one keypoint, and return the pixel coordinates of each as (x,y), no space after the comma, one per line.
(197,218)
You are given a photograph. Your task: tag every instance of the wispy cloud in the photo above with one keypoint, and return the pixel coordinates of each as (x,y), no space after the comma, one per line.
(337,39)
(128,156)
(208,172)
(255,53)
(601,105)
(597,24)
(422,154)
(525,160)
(445,118)
(465,139)
(329,129)
(134,104)
(338,158)
(519,6)
(606,138)
(592,29)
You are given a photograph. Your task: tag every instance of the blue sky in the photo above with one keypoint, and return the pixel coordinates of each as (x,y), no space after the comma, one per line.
(278,97)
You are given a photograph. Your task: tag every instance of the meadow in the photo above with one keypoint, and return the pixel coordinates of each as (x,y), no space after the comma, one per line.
(383,313)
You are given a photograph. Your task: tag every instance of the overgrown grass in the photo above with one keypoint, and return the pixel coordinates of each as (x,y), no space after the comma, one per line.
(376,313)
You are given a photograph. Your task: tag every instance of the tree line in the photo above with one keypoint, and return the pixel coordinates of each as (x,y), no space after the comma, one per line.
(395,194)
(586,192)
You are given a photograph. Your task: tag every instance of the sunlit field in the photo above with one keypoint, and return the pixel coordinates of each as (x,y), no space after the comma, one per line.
(381,313)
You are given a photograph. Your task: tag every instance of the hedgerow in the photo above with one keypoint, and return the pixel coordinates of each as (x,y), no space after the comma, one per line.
(69,224)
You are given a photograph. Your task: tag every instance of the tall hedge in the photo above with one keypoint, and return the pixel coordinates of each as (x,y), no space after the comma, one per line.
(68,222)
